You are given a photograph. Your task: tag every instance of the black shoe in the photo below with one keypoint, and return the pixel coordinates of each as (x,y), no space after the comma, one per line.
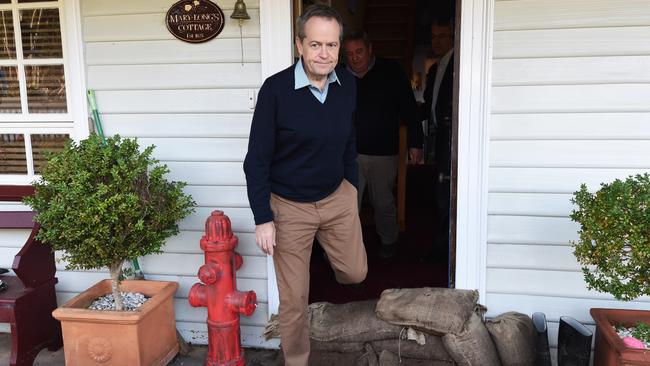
(387,250)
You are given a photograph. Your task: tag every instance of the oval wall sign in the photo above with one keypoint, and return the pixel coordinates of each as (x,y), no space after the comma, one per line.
(195,21)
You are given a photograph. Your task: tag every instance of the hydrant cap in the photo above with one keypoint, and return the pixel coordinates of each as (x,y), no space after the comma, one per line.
(218,228)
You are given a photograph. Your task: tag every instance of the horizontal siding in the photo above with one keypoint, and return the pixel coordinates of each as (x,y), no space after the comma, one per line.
(197,149)
(151,26)
(555,307)
(570,105)
(512,229)
(219,196)
(571,153)
(573,42)
(552,180)
(571,70)
(251,336)
(103,7)
(241,219)
(545,14)
(532,204)
(174,76)
(539,282)
(526,257)
(158,52)
(13,238)
(188,242)
(586,98)
(208,173)
(185,101)
(7,256)
(570,126)
(178,125)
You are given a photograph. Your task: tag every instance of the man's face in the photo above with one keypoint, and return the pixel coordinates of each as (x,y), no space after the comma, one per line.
(320,47)
(440,39)
(358,55)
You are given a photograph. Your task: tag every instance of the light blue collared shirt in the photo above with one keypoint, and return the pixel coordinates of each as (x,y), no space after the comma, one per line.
(301,81)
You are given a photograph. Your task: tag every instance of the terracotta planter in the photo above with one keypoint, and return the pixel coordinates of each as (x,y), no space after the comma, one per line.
(609,348)
(136,338)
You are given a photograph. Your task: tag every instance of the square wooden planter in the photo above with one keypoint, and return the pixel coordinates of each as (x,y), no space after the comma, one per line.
(146,337)
(609,348)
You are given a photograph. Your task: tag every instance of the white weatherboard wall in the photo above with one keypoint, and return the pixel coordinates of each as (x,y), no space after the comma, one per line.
(195,103)
(570,104)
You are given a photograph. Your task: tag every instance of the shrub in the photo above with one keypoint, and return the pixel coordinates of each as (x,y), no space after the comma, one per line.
(614,244)
(102,203)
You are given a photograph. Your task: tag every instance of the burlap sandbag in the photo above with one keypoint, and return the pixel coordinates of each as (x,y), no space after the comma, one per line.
(433,310)
(351,322)
(322,358)
(473,346)
(340,347)
(387,358)
(513,335)
(433,349)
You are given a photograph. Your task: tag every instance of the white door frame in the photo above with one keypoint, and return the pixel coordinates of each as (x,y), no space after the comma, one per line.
(473,120)
(276,55)
(475,71)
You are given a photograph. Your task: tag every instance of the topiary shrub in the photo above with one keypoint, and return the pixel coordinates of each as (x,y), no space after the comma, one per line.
(102,203)
(614,244)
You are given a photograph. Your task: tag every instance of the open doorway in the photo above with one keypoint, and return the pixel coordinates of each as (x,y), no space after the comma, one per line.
(402,30)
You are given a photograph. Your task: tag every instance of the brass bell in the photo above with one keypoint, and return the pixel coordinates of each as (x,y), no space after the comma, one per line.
(240,11)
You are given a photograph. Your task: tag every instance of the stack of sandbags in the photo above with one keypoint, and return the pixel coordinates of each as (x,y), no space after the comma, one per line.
(448,313)
(506,340)
(428,326)
(355,328)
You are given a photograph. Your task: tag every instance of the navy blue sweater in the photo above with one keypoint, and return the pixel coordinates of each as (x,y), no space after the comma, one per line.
(299,148)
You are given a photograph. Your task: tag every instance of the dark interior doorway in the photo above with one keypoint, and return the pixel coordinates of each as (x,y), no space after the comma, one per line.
(400,30)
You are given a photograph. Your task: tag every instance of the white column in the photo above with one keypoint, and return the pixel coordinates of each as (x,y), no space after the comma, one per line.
(476,36)
(276,54)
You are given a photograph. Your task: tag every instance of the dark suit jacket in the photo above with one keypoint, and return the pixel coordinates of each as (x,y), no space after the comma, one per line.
(444,107)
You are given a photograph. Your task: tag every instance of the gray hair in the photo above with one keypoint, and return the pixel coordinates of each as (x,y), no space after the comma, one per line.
(317,10)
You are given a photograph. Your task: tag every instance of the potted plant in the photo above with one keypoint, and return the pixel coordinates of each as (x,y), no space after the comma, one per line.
(102,202)
(614,251)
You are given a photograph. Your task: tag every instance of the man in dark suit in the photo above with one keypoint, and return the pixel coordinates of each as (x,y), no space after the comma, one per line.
(437,110)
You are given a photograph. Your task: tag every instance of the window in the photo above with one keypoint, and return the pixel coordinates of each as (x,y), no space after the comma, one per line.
(35,108)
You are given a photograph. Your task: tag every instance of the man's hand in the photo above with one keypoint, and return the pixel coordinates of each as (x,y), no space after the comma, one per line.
(265,237)
(415,155)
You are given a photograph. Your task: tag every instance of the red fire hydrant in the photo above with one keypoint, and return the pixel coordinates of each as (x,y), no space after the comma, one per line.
(219,292)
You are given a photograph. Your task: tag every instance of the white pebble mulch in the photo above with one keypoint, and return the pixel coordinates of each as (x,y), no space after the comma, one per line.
(132,301)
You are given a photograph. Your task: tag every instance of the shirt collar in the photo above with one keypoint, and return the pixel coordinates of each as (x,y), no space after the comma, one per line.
(301,79)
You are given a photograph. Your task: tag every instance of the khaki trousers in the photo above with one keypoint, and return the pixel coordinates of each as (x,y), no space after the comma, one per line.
(334,221)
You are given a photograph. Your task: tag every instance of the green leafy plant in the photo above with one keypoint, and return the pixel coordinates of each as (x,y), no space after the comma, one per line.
(104,203)
(614,244)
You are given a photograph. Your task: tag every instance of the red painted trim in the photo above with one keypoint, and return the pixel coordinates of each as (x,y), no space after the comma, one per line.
(15,193)
(17,219)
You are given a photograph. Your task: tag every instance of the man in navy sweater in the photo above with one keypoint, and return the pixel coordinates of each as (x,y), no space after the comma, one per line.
(301,173)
